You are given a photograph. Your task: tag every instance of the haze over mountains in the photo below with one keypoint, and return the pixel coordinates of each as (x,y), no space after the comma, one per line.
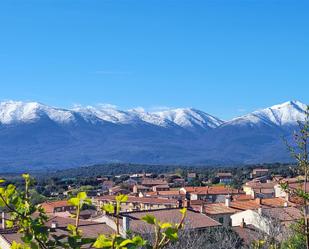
(35,136)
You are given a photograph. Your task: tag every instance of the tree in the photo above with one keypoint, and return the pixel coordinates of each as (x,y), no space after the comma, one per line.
(35,234)
(215,238)
(299,152)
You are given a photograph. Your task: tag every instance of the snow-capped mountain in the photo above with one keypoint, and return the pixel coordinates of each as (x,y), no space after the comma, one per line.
(190,118)
(17,111)
(285,114)
(38,135)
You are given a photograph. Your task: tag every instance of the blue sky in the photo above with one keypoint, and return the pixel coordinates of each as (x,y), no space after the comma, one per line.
(224,57)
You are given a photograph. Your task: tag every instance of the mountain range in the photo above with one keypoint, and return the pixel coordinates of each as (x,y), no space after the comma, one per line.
(36,136)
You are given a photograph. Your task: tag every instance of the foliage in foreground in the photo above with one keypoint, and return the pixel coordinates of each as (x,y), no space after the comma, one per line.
(30,220)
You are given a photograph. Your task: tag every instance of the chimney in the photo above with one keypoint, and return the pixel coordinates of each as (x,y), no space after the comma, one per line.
(180,204)
(260,211)
(228,201)
(125,224)
(252,194)
(3,220)
(53,225)
(135,191)
(243,223)
(258,200)
(202,208)
(187,203)
(285,204)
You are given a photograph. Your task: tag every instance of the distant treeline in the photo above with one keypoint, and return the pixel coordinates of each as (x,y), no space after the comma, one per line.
(120,169)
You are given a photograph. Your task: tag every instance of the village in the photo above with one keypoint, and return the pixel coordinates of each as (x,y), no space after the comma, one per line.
(250,210)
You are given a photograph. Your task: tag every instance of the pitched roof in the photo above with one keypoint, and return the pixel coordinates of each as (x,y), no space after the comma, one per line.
(285,214)
(219,208)
(254,204)
(242,197)
(212,190)
(154,182)
(261,185)
(248,233)
(259,170)
(165,193)
(193,220)
(49,206)
(224,174)
(134,199)
(299,186)
(89,229)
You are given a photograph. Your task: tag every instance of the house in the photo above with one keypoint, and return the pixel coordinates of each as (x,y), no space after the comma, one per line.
(58,226)
(263,218)
(225,177)
(149,182)
(133,220)
(260,189)
(258,202)
(170,194)
(138,203)
(209,193)
(118,190)
(130,182)
(259,172)
(53,207)
(107,185)
(220,212)
(140,189)
(293,183)
(247,233)
(160,188)
(139,176)
(191,176)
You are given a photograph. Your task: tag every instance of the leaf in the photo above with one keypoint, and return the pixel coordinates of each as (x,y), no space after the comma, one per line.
(82,195)
(183,211)
(150,219)
(10,190)
(87,201)
(71,227)
(109,208)
(74,201)
(165,225)
(2,181)
(122,198)
(26,176)
(102,242)
(125,243)
(139,241)
(9,223)
(171,233)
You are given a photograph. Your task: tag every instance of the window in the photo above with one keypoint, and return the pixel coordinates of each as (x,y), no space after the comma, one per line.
(221,220)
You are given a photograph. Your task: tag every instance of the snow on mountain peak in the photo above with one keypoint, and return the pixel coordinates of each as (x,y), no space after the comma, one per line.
(189,118)
(105,113)
(18,111)
(287,113)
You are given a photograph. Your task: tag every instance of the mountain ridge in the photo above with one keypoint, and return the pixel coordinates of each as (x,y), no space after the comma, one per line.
(35,135)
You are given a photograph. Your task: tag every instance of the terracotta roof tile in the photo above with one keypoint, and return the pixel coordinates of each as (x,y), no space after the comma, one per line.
(254,204)
(140,199)
(219,208)
(89,229)
(49,206)
(194,220)
(212,190)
